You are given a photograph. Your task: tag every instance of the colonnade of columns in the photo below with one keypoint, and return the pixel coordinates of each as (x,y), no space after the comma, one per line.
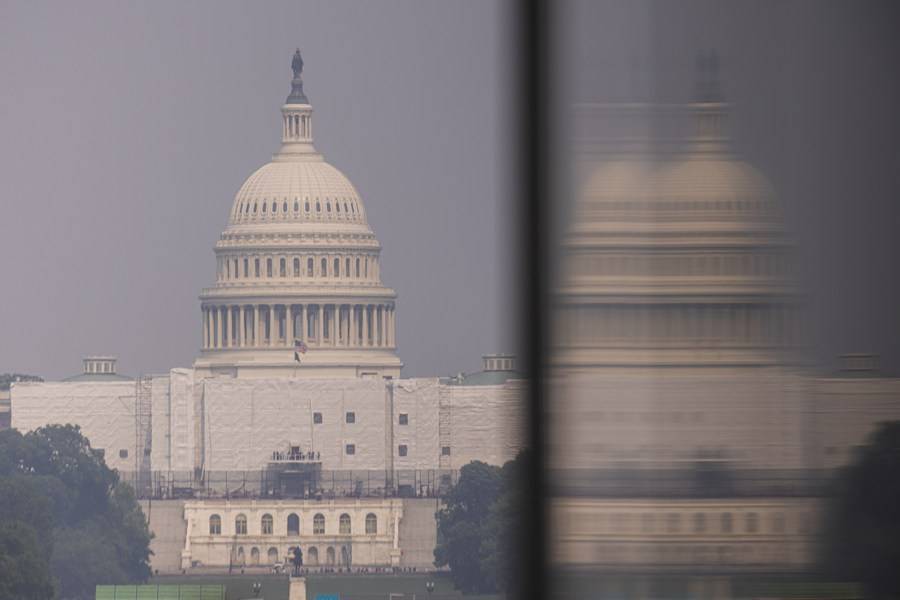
(296,126)
(317,325)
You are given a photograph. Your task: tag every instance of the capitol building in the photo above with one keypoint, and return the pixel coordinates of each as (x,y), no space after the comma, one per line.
(689,446)
(293,427)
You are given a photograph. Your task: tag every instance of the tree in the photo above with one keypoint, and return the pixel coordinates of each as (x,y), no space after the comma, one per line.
(462,524)
(8,378)
(480,529)
(87,524)
(24,573)
(862,527)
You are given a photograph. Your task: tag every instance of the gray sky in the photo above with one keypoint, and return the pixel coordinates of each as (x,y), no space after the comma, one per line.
(814,89)
(128,127)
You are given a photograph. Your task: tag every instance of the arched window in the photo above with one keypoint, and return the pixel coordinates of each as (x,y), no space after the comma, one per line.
(778,522)
(296,206)
(272,556)
(254,208)
(337,268)
(293,524)
(274,206)
(751,522)
(328,206)
(266,524)
(264,206)
(254,557)
(345,556)
(345,207)
(337,206)
(268,267)
(296,267)
(345,524)
(310,265)
(329,555)
(347,268)
(699,522)
(215,525)
(247,209)
(319,524)
(318,207)
(307,206)
(726,522)
(240,556)
(240,525)
(324,271)
(312,555)
(256,267)
(284,206)
(246,267)
(236,268)
(371,523)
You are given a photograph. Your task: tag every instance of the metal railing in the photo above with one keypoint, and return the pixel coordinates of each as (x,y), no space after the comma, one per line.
(325,484)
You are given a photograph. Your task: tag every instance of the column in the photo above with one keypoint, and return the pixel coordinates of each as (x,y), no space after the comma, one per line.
(365,326)
(242,328)
(303,323)
(289,324)
(353,328)
(272,330)
(319,324)
(256,325)
(219,328)
(335,324)
(390,330)
(205,318)
(226,340)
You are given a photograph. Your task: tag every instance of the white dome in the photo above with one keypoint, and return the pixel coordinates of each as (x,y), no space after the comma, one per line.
(300,190)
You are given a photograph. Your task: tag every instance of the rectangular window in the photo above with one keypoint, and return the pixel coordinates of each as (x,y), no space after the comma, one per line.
(351,449)
(123,453)
(402,450)
(268,267)
(246,267)
(351,417)
(256,267)
(317,418)
(282,268)
(445,451)
(404,419)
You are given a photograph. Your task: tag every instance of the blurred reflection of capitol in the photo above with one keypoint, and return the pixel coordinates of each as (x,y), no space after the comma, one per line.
(685,435)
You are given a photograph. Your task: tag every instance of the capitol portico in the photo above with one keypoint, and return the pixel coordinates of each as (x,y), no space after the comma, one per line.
(298,262)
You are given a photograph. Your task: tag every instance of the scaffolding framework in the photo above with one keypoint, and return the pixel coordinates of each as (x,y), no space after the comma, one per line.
(143,422)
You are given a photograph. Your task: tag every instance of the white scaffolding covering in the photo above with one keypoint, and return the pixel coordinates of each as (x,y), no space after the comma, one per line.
(103,409)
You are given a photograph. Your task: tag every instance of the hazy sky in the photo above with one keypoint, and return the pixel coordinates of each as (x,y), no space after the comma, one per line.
(128,127)
(815,91)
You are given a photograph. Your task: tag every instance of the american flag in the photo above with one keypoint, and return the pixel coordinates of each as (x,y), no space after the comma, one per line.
(299,348)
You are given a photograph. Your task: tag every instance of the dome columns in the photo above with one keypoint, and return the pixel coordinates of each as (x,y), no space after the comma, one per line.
(326,325)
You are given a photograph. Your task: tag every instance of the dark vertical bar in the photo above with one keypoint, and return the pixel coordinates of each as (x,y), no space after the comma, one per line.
(533,88)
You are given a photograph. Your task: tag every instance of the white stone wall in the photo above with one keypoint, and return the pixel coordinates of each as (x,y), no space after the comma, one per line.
(365,549)
(757,418)
(777,533)
(486,422)
(103,410)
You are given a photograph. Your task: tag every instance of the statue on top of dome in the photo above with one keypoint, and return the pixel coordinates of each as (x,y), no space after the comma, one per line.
(708,89)
(297,64)
(297,96)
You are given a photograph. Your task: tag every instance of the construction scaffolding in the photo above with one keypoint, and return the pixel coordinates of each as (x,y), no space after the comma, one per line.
(143,415)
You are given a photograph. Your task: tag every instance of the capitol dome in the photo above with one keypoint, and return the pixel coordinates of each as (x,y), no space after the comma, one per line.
(676,255)
(298,289)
